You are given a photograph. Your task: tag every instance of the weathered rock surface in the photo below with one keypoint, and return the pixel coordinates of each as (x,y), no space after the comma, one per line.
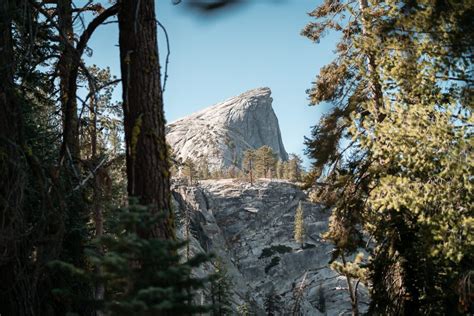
(221,133)
(251,229)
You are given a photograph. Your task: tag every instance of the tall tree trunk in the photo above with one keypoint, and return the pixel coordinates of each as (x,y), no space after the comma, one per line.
(68,85)
(375,86)
(68,67)
(147,156)
(352,291)
(251,171)
(16,294)
(96,194)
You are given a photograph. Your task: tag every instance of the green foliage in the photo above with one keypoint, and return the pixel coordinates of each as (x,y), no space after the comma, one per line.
(220,294)
(248,164)
(243,309)
(265,162)
(396,148)
(272,303)
(142,276)
(299,225)
(189,171)
(293,169)
(202,169)
(353,270)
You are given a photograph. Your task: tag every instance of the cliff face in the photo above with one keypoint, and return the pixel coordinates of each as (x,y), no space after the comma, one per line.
(251,229)
(221,133)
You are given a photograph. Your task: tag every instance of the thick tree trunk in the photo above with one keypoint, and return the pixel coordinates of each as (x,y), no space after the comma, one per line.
(16,292)
(68,85)
(144,122)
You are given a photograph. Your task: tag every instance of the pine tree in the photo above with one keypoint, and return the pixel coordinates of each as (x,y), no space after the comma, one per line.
(203,171)
(294,168)
(220,291)
(142,276)
(280,169)
(265,162)
(299,225)
(272,303)
(243,309)
(354,274)
(248,164)
(189,171)
(39,190)
(399,92)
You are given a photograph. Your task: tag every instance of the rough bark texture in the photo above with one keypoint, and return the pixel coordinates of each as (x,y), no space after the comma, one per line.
(15,292)
(69,65)
(10,114)
(68,85)
(144,122)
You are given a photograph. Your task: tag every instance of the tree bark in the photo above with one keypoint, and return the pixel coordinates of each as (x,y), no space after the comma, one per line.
(147,156)
(96,195)
(16,292)
(352,291)
(68,68)
(251,171)
(375,86)
(68,86)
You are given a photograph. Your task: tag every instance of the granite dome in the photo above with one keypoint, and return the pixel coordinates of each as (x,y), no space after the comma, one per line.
(221,133)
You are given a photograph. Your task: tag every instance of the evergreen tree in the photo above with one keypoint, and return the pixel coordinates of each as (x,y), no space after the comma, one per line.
(265,162)
(189,171)
(400,94)
(203,171)
(280,169)
(248,164)
(44,200)
(355,273)
(142,276)
(272,303)
(294,168)
(299,225)
(243,309)
(220,291)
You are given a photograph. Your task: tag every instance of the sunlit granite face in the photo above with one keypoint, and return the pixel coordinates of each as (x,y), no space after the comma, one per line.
(221,133)
(250,227)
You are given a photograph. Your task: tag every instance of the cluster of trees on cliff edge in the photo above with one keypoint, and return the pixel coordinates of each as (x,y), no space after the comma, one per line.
(396,151)
(256,163)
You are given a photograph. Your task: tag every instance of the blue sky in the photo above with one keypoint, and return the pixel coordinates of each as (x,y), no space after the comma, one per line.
(217,57)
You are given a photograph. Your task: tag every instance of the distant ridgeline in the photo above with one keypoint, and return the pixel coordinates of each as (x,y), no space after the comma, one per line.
(236,137)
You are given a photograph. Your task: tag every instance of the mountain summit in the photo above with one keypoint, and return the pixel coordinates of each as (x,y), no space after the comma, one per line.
(221,133)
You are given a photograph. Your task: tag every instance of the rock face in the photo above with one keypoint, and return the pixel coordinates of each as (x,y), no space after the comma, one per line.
(221,133)
(251,229)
